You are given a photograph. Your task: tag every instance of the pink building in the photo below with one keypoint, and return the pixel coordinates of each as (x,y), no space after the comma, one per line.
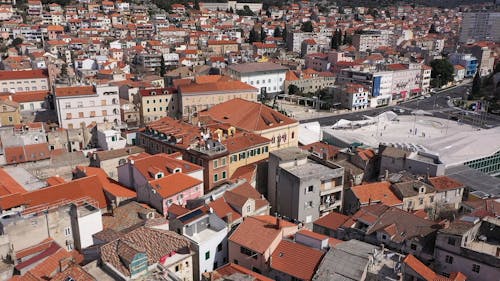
(175,188)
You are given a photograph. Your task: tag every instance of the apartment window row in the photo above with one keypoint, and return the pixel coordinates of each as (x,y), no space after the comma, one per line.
(222,177)
(69,115)
(249,153)
(222,162)
(90,103)
(248,252)
(20,89)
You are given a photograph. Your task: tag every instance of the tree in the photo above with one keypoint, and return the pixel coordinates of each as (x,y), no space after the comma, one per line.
(476,84)
(336,39)
(442,72)
(347,39)
(307,26)
(277,32)
(17,41)
(497,68)
(432,29)
(262,34)
(231,10)
(163,69)
(293,90)
(284,34)
(252,37)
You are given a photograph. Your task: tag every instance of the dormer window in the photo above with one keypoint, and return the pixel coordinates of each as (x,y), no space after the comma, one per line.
(422,189)
(177,170)
(159,175)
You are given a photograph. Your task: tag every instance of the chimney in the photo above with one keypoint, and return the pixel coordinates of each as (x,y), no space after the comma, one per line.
(369,201)
(278,223)
(386,174)
(229,217)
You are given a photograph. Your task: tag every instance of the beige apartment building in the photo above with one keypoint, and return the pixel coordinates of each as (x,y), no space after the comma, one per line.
(221,47)
(24,81)
(156,103)
(9,113)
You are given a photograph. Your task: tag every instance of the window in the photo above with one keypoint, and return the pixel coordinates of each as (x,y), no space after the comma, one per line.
(207,255)
(249,209)
(177,267)
(104,113)
(103,102)
(452,241)
(10,118)
(413,247)
(310,188)
(224,175)
(309,204)
(448,259)
(216,177)
(476,268)
(420,201)
(235,261)
(67,231)
(67,105)
(216,163)
(223,161)
(219,247)
(384,236)
(431,199)
(79,104)
(68,115)
(266,149)
(248,252)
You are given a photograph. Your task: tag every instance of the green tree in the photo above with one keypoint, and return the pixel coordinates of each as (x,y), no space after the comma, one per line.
(432,29)
(17,41)
(277,32)
(231,10)
(284,34)
(347,39)
(263,34)
(336,39)
(293,90)
(252,37)
(163,69)
(476,84)
(442,72)
(307,26)
(196,5)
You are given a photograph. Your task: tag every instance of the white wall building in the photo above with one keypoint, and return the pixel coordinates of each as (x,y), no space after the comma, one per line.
(110,139)
(269,78)
(82,105)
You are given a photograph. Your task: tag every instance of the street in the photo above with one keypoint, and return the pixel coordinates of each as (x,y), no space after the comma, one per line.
(437,104)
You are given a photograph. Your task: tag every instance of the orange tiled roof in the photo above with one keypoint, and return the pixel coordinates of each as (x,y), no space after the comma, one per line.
(23,74)
(108,184)
(332,220)
(247,115)
(171,185)
(231,268)
(445,183)
(376,192)
(296,260)
(75,91)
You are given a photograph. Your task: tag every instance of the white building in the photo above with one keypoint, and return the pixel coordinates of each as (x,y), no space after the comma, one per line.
(208,234)
(110,139)
(268,77)
(355,97)
(371,40)
(82,105)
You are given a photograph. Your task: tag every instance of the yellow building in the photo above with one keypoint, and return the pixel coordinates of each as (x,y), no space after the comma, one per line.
(221,47)
(256,118)
(9,113)
(156,103)
(244,148)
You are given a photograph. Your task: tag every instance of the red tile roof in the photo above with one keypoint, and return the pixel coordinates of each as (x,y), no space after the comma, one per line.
(231,268)
(9,185)
(378,192)
(222,86)
(296,260)
(27,153)
(109,185)
(443,183)
(163,162)
(173,184)
(258,233)
(23,74)
(75,91)
(332,220)
(428,274)
(247,115)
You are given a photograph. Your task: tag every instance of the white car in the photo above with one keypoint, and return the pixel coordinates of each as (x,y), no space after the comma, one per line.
(427,95)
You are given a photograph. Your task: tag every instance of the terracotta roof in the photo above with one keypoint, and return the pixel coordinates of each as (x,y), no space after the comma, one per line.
(247,115)
(248,172)
(75,91)
(244,141)
(157,244)
(332,220)
(173,184)
(163,162)
(428,274)
(157,91)
(396,67)
(127,216)
(21,97)
(296,260)
(258,233)
(109,185)
(443,183)
(73,190)
(9,185)
(222,209)
(378,192)
(26,153)
(321,147)
(231,268)
(45,244)
(54,180)
(23,74)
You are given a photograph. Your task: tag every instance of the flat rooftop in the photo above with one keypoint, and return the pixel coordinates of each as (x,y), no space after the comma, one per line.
(312,169)
(290,153)
(454,142)
(475,179)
